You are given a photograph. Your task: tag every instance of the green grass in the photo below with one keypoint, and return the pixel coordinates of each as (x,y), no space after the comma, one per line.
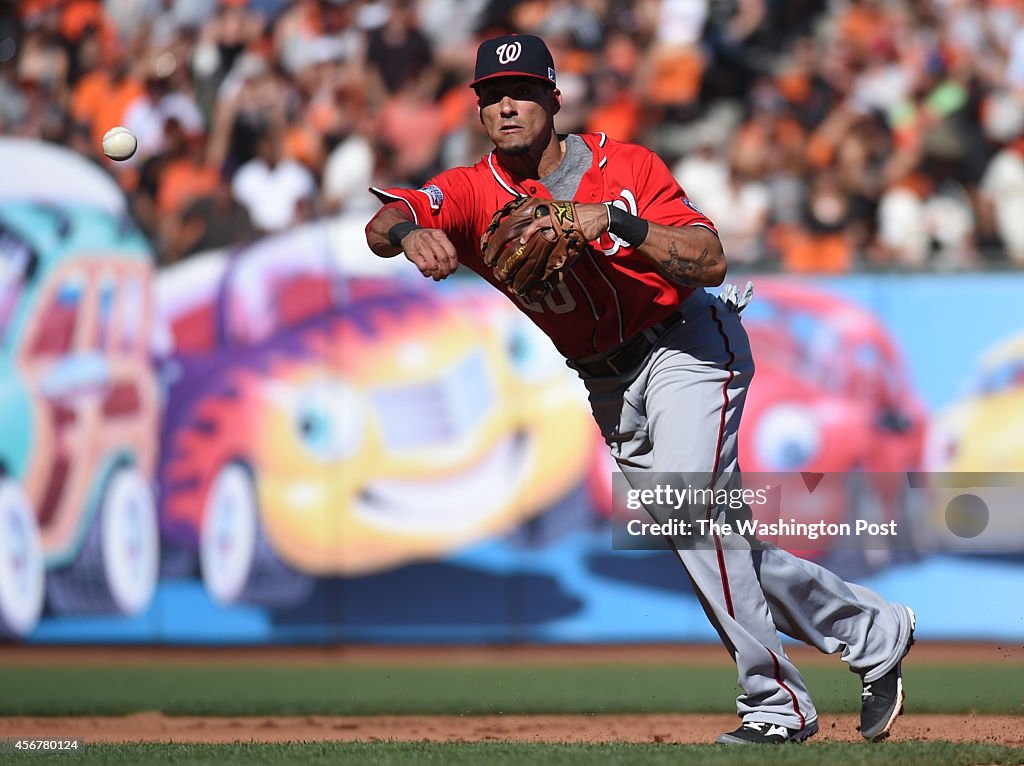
(511,754)
(261,690)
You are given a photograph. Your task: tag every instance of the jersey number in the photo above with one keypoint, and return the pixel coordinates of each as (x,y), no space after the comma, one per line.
(558,301)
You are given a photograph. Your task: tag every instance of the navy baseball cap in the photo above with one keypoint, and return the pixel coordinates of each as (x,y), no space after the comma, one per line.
(514,56)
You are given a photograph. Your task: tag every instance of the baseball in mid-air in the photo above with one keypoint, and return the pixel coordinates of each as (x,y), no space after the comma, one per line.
(119,143)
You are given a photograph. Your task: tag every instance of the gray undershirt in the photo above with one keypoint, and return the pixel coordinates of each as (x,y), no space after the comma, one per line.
(564,181)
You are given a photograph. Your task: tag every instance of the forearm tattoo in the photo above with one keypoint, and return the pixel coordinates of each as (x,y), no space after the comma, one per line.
(686,270)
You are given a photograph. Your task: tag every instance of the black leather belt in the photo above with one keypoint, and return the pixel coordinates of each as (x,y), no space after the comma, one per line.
(626,356)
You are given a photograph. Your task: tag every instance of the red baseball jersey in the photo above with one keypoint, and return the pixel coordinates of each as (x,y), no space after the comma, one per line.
(612,292)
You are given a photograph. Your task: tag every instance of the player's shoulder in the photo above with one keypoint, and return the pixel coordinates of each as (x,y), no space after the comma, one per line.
(613,147)
(457,183)
(465,180)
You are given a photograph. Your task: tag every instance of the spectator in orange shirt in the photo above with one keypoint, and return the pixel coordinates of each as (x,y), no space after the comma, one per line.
(410,131)
(867,26)
(182,177)
(103,96)
(616,110)
(185,177)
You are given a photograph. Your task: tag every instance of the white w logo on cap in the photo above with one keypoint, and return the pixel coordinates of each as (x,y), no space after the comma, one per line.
(509,52)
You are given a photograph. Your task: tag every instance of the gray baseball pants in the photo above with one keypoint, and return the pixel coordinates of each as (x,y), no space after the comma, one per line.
(679,413)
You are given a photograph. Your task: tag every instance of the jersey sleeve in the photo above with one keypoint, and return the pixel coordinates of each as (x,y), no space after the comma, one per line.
(663,201)
(445,202)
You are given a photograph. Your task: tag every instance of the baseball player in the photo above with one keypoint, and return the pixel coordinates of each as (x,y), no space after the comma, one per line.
(666,364)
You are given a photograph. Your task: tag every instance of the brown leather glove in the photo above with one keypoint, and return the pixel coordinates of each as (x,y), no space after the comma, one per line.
(531,269)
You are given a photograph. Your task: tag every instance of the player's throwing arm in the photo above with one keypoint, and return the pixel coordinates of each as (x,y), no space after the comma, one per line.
(430,250)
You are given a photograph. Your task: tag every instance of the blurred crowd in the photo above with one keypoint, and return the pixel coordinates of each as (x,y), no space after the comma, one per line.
(819,135)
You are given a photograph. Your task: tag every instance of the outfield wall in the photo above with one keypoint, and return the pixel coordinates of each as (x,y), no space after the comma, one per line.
(294,441)
(545,571)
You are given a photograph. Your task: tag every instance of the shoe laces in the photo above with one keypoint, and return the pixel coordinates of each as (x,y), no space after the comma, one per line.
(867,692)
(757,726)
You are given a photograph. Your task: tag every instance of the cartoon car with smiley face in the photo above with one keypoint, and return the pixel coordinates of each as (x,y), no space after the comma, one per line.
(831,423)
(831,392)
(974,453)
(831,396)
(319,425)
(79,398)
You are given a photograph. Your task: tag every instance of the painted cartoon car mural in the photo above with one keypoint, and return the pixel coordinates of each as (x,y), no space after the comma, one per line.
(318,425)
(78,396)
(831,396)
(975,448)
(831,392)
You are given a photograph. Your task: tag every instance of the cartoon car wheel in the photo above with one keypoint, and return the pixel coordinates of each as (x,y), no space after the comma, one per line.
(116,569)
(21,563)
(235,558)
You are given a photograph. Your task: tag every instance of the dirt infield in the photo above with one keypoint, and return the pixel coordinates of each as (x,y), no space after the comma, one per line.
(558,654)
(669,728)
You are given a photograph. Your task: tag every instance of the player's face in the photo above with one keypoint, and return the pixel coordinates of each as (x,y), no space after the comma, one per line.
(518,112)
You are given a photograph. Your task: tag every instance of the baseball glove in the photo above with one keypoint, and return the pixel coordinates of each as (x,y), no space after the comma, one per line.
(531,269)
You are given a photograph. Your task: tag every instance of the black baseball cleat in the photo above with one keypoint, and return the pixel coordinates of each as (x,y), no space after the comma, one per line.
(760,733)
(881,701)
